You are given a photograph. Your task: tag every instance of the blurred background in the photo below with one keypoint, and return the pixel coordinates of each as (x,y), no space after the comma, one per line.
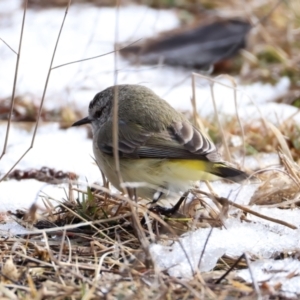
(161,43)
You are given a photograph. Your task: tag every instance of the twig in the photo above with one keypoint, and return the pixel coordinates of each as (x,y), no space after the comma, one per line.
(204,247)
(290,166)
(254,282)
(230,269)
(94,57)
(237,114)
(227,152)
(8,44)
(225,201)
(115,127)
(193,100)
(12,103)
(43,96)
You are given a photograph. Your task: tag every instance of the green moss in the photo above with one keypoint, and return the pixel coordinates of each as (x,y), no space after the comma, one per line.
(269,55)
(250,150)
(296,102)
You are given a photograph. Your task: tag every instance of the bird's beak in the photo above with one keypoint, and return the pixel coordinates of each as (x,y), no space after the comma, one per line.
(83,121)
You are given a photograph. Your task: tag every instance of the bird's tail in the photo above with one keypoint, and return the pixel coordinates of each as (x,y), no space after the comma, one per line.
(222,170)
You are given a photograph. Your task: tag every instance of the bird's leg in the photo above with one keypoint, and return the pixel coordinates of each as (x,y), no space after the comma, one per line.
(169,211)
(156,196)
(176,207)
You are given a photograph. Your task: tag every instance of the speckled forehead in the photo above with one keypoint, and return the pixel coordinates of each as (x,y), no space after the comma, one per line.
(102,95)
(106,96)
(93,102)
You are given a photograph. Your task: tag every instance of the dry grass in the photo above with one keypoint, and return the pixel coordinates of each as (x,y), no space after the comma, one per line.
(100,257)
(94,245)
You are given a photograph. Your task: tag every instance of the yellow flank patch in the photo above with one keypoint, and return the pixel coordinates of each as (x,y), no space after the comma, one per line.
(174,174)
(189,164)
(187,170)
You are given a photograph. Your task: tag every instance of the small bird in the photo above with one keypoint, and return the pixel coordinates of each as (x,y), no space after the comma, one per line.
(157,145)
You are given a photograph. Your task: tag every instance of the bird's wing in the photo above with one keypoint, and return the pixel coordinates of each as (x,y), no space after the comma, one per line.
(181,140)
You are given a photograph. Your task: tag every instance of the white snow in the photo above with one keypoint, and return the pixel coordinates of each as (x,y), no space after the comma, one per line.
(90,31)
(66,150)
(261,160)
(12,228)
(283,273)
(259,238)
(236,238)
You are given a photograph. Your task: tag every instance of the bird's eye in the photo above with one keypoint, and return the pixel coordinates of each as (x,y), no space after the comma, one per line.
(98,113)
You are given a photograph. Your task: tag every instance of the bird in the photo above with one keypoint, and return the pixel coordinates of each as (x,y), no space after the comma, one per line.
(157,145)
